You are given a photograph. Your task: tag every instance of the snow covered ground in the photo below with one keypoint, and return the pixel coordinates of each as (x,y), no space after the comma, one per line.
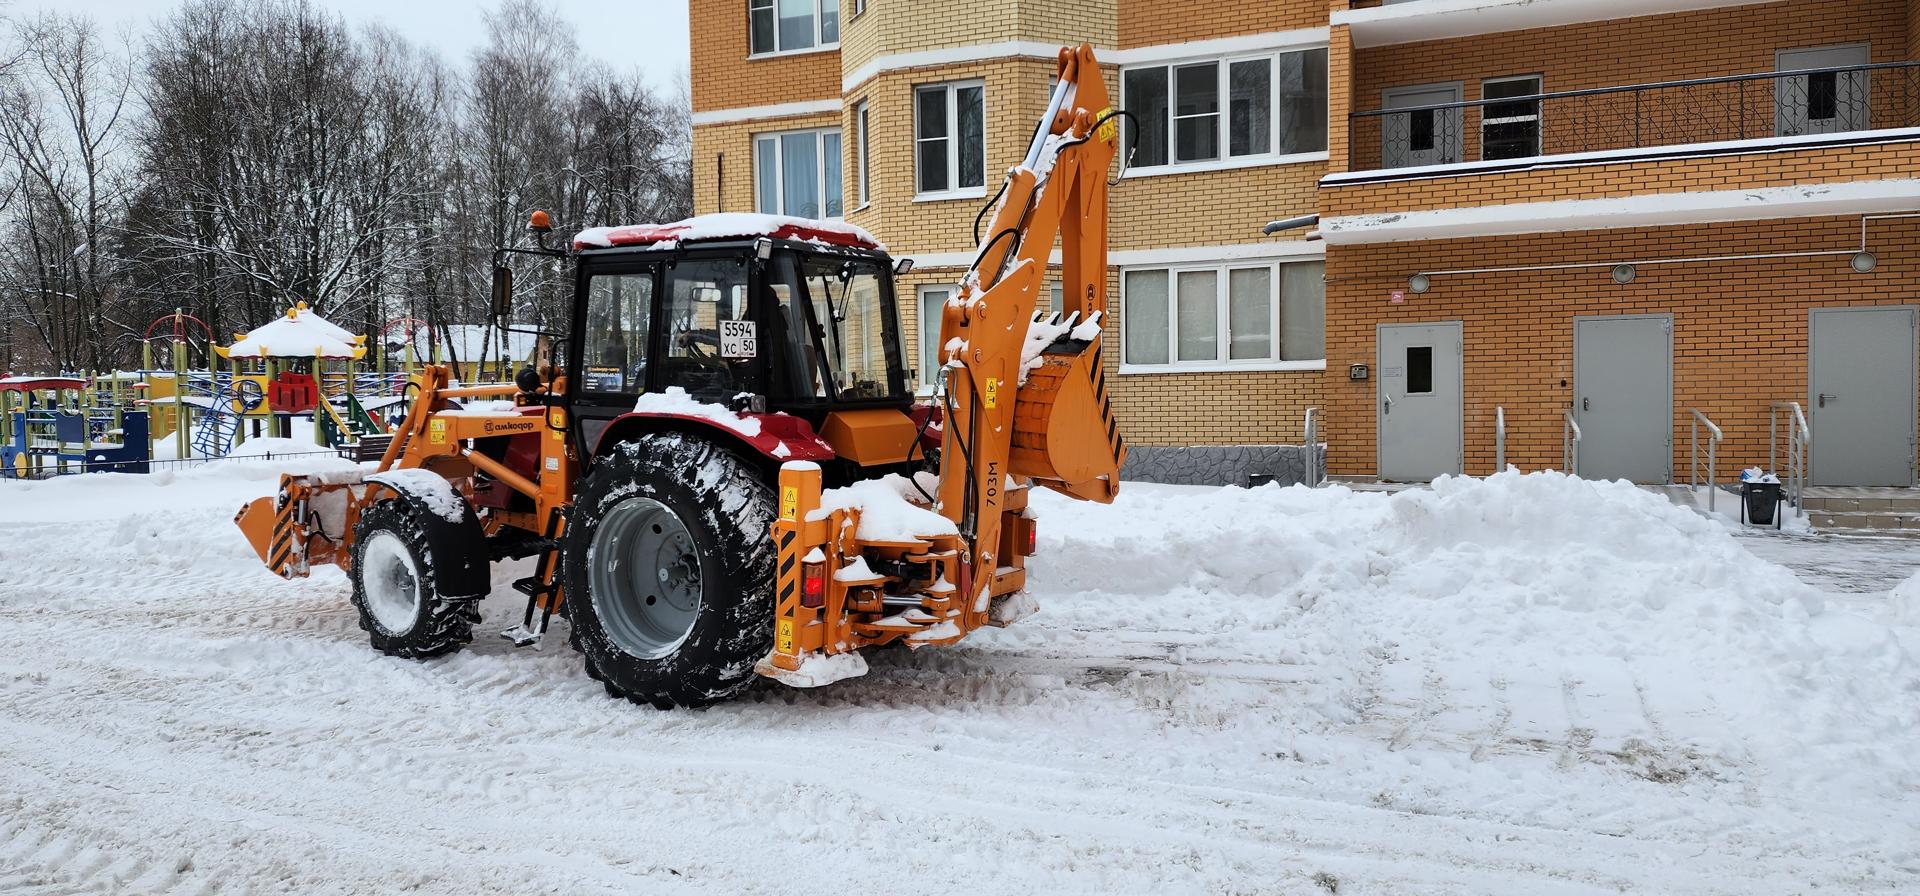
(1529,685)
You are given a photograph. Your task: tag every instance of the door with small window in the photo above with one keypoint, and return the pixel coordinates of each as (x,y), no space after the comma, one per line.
(1822,100)
(1418,392)
(1421,136)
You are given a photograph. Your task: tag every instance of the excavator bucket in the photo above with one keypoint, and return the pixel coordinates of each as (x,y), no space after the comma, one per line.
(267,529)
(1063,414)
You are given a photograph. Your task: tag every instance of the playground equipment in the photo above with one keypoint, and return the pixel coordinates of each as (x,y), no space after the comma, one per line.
(53,425)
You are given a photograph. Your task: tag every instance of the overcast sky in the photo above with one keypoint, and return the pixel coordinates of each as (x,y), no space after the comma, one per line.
(648,34)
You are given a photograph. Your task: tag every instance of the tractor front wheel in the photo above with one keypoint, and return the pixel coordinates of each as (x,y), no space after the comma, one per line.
(393,588)
(669,571)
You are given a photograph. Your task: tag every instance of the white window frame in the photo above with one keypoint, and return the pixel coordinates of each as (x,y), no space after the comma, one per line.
(780,169)
(1222,361)
(953,138)
(928,330)
(860,174)
(819,45)
(1539,116)
(1223,66)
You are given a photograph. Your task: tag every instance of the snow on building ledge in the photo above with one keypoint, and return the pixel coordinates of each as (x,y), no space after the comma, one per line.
(1652,210)
(1422,20)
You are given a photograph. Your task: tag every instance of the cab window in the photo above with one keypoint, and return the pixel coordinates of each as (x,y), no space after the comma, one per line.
(619,308)
(710,342)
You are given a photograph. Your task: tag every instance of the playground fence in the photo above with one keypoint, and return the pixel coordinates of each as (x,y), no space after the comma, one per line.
(154,466)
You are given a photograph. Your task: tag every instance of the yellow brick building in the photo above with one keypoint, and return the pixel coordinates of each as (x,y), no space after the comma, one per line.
(1574,216)
(924,105)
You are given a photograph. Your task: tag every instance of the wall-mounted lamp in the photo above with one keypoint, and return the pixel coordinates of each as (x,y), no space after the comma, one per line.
(1864,262)
(1624,273)
(1419,284)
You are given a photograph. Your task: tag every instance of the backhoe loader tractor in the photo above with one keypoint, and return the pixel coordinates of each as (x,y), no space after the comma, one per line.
(725,472)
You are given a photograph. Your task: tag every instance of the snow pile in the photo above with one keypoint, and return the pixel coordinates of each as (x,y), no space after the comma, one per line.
(675,400)
(1534,592)
(887,511)
(300,334)
(1905,602)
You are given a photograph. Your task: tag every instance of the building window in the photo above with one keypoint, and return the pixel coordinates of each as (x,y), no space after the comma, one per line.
(1224,314)
(1252,107)
(1509,130)
(950,139)
(797,173)
(786,26)
(859,6)
(933,301)
(860,180)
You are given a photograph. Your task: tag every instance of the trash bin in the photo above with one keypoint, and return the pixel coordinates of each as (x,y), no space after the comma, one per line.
(1760,500)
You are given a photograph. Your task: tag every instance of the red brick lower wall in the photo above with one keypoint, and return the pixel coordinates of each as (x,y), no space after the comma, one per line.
(1739,341)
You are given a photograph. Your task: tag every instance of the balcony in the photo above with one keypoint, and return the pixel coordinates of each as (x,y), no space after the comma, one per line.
(1429,130)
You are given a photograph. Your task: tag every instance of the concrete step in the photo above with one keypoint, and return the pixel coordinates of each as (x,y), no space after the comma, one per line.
(1878,522)
(1889,502)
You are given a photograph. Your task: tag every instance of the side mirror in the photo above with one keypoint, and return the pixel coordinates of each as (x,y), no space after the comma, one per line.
(502,292)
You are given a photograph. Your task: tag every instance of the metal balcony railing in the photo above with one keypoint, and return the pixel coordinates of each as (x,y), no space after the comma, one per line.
(1796,103)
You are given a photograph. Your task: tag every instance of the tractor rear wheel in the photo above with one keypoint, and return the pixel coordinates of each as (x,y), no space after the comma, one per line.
(669,571)
(393,588)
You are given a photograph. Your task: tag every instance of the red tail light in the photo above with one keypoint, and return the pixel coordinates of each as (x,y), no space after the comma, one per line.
(1033,538)
(813,585)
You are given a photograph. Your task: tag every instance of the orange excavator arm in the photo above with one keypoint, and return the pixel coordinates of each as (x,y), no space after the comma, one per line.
(1025,395)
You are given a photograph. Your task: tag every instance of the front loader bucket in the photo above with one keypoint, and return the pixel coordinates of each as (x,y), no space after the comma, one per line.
(256,522)
(278,527)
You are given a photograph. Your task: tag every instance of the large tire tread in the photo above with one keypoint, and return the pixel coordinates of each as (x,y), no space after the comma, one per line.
(443,626)
(729,507)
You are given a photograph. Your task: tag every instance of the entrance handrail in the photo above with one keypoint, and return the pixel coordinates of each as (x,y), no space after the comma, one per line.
(1311,435)
(1799,443)
(1499,439)
(1570,443)
(1713,453)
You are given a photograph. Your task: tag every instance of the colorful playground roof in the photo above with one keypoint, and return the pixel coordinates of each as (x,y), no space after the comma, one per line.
(732,225)
(300,334)
(36,383)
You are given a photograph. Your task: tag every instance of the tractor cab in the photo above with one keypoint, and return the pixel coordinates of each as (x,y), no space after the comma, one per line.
(759,315)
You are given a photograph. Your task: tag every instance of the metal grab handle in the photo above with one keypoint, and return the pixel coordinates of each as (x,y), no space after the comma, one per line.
(1826,398)
(1386,404)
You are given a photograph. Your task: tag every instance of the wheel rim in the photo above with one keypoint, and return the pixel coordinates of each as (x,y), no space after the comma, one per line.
(645,578)
(391,583)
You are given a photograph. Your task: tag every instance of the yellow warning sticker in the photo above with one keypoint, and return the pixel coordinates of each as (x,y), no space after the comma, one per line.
(437,432)
(1109,127)
(783,636)
(789,502)
(993,391)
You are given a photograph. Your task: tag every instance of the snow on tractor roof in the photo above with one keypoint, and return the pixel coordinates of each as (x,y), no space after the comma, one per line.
(733,225)
(300,334)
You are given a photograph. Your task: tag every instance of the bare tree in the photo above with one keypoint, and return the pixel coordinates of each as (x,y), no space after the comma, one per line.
(64,138)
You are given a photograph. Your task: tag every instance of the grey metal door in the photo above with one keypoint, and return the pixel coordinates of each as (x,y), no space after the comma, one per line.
(1417,400)
(1429,137)
(1860,399)
(1623,396)
(1823,103)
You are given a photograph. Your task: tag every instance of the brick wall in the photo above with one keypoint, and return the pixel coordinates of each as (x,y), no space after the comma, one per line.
(1740,327)
(1145,23)
(724,77)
